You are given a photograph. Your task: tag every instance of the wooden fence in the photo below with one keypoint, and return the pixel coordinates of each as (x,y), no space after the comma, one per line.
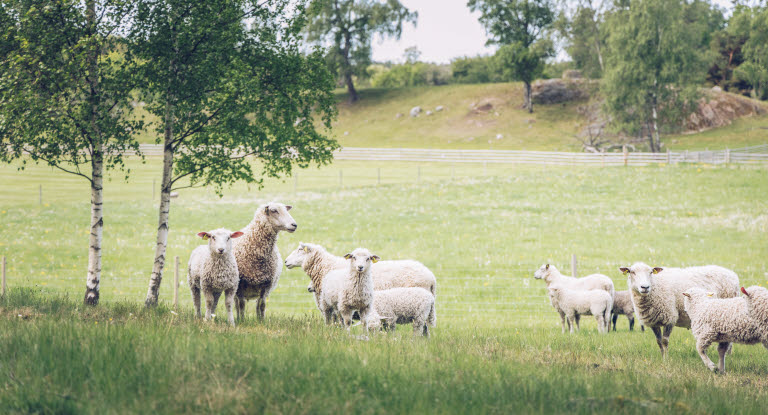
(746,155)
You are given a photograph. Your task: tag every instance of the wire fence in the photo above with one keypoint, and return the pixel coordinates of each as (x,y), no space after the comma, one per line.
(746,155)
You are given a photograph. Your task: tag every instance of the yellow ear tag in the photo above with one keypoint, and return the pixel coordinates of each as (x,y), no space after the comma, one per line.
(306,249)
(375,260)
(710,294)
(206,237)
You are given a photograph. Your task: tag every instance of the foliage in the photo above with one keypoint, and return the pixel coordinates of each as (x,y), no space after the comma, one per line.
(347,27)
(473,70)
(654,68)
(410,74)
(752,24)
(585,36)
(521,27)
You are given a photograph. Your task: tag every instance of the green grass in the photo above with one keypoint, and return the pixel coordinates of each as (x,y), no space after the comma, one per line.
(483,231)
(372,122)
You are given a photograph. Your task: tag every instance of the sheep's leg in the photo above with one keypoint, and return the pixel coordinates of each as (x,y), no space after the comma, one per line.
(562,321)
(329,316)
(657,333)
(570,328)
(665,339)
(208,303)
(196,300)
(261,305)
(571,323)
(701,347)
(614,318)
(364,317)
(722,349)
(601,324)
(229,298)
(240,307)
(578,321)
(631,323)
(346,317)
(426,331)
(216,296)
(642,328)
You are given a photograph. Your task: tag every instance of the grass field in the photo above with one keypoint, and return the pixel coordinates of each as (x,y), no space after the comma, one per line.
(372,122)
(483,231)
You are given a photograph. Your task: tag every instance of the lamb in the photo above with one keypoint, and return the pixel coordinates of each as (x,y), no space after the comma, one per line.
(657,294)
(574,303)
(317,263)
(622,304)
(757,303)
(551,275)
(213,269)
(258,258)
(722,321)
(401,306)
(344,291)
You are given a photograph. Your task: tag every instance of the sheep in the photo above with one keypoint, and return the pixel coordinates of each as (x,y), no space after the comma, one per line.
(317,263)
(722,321)
(212,269)
(575,303)
(551,275)
(344,291)
(258,258)
(757,303)
(657,294)
(401,306)
(622,304)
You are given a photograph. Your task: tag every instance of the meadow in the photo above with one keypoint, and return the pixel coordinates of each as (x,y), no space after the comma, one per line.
(483,230)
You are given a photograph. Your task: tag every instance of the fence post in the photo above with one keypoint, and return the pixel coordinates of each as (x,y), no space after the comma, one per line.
(727,156)
(176,283)
(602,159)
(573,266)
(4,287)
(669,156)
(626,155)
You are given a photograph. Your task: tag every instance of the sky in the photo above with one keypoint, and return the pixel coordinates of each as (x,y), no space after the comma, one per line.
(445,29)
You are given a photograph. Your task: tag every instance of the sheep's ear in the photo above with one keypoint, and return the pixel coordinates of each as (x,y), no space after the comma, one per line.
(236,234)
(375,259)
(658,270)
(547,267)
(710,294)
(348,256)
(744,290)
(288,207)
(624,270)
(266,209)
(204,235)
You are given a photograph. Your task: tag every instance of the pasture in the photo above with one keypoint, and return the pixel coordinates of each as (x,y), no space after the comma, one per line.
(497,347)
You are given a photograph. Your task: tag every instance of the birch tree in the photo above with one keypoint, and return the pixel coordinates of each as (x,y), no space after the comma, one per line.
(64,101)
(230,85)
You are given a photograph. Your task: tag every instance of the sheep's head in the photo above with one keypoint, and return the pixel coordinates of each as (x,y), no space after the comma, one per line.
(544,271)
(299,255)
(361,260)
(695,293)
(639,277)
(757,302)
(219,240)
(277,215)
(376,321)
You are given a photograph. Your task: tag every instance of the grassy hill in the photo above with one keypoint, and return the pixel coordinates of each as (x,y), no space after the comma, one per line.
(474,115)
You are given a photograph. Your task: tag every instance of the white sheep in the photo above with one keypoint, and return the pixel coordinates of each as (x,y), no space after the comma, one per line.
(551,275)
(622,305)
(212,269)
(757,303)
(258,258)
(657,294)
(723,321)
(346,291)
(401,306)
(574,303)
(317,263)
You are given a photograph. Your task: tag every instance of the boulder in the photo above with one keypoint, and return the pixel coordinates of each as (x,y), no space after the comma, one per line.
(555,91)
(415,111)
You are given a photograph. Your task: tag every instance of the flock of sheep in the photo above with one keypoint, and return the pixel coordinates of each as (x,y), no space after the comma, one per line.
(704,299)
(246,265)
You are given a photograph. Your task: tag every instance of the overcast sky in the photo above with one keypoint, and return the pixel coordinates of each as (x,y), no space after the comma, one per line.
(446,29)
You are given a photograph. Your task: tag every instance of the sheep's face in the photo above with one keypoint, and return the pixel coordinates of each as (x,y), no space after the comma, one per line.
(219,240)
(297,257)
(361,260)
(639,277)
(543,272)
(757,302)
(278,216)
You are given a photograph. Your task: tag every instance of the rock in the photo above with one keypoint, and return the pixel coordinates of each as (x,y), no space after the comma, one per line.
(428,113)
(346,132)
(555,91)
(499,136)
(717,88)
(398,115)
(415,111)
(439,108)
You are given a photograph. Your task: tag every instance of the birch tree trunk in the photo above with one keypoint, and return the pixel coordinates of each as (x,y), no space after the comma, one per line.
(656,147)
(97,226)
(164,212)
(528,103)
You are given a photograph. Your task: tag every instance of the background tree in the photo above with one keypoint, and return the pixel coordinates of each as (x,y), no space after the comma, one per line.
(580,25)
(64,100)
(654,68)
(228,93)
(347,28)
(519,25)
(752,25)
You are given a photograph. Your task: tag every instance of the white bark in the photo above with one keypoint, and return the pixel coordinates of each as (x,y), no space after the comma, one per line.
(528,101)
(97,226)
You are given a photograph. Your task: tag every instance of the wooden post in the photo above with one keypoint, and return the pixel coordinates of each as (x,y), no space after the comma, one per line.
(602,159)
(573,266)
(41,194)
(727,156)
(626,155)
(4,287)
(669,157)
(176,284)
(698,156)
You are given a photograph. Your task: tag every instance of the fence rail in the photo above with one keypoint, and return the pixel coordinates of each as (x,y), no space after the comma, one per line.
(746,155)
